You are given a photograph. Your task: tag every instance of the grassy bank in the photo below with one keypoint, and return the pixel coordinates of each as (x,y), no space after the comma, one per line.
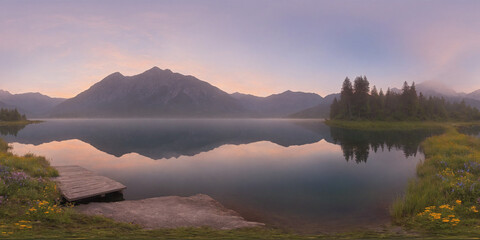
(445,197)
(386,125)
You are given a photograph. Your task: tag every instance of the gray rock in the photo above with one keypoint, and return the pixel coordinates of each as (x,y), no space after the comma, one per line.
(170,212)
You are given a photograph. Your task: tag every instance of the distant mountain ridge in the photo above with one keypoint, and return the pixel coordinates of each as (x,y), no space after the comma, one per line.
(436,89)
(163,93)
(153,93)
(278,105)
(31,104)
(432,88)
(474,95)
(3,105)
(321,110)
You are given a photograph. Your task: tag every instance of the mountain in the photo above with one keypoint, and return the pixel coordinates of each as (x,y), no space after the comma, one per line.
(162,93)
(278,105)
(321,110)
(438,89)
(433,88)
(3,105)
(474,95)
(4,94)
(154,93)
(31,104)
(329,98)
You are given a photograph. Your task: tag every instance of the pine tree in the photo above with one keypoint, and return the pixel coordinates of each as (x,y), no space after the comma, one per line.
(346,99)
(361,91)
(381,114)
(358,102)
(375,104)
(334,109)
(11,115)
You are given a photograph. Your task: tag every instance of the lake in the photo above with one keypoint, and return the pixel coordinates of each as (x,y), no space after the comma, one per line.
(473,130)
(293,174)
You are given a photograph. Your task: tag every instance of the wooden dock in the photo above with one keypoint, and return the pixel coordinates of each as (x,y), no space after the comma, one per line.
(77,183)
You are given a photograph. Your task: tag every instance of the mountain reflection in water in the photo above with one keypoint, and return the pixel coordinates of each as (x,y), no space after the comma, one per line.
(172,138)
(286,173)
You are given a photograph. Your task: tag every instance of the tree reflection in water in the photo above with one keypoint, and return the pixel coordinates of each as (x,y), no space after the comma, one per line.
(356,144)
(11,130)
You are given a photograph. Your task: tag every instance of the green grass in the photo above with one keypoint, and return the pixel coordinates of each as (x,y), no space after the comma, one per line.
(445,196)
(385,125)
(101,229)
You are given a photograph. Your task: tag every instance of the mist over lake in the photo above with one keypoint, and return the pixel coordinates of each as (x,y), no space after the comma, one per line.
(293,174)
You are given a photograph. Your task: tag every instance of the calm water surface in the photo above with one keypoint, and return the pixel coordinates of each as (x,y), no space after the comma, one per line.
(470,130)
(300,175)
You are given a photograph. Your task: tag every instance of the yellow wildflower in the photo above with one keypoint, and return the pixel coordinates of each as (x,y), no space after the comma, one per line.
(458,202)
(451,216)
(474,209)
(435,215)
(447,206)
(445,220)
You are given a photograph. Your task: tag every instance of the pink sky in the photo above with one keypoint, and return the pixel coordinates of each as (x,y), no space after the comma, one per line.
(60,48)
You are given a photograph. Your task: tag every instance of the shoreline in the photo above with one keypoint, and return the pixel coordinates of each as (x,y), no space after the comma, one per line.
(19,123)
(396,125)
(444,193)
(103,227)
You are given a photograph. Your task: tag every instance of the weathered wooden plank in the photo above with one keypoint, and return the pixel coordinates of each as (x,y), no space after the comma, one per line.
(78,183)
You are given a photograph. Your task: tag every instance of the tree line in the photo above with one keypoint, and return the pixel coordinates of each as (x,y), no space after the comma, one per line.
(11,115)
(358,102)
